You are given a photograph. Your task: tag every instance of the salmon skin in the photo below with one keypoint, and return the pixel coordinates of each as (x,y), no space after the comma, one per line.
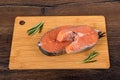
(68,39)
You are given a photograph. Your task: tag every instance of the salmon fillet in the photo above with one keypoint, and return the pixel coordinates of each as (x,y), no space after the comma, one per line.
(82,37)
(49,45)
(68,39)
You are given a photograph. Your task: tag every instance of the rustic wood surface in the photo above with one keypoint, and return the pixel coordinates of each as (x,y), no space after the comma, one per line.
(10,9)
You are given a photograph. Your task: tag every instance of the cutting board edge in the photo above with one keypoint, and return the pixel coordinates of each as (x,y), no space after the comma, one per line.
(52,16)
(62,16)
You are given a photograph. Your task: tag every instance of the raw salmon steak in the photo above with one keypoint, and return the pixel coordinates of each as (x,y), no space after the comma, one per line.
(68,39)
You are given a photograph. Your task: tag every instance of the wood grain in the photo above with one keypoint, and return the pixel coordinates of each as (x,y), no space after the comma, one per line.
(9,9)
(26,55)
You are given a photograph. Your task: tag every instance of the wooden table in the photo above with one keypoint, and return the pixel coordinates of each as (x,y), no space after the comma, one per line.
(10,9)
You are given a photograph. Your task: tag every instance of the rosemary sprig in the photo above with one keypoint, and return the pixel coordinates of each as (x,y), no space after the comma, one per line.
(91,61)
(90,57)
(35,29)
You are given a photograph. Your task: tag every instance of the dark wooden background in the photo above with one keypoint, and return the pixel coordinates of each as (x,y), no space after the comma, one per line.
(9,9)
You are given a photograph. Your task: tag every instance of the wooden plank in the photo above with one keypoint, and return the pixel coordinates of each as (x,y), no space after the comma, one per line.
(27,55)
(54,2)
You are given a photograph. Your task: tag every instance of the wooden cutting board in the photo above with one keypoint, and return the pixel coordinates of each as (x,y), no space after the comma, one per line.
(25,53)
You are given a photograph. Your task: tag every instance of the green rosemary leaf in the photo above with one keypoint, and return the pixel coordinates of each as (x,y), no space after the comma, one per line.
(31,31)
(35,29)
(41,27)
(90,57)
(91,61)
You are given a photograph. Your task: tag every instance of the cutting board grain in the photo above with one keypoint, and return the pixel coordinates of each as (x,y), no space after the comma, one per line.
(25,53)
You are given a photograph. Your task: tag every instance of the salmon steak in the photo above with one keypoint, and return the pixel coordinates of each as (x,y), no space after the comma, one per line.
(68,39)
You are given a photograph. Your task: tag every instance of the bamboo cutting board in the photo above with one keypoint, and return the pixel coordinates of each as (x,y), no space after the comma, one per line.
(25,53)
